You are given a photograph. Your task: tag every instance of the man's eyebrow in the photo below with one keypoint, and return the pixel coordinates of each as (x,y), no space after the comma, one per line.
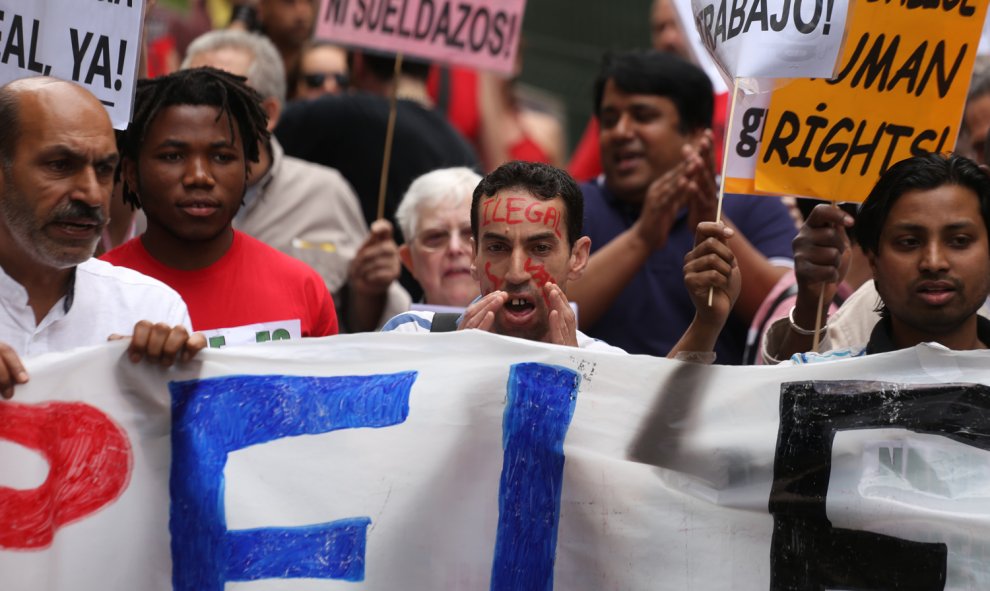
(961,225)
(913,227)
(548,235)
(494,236)
(63,151)
(172,143)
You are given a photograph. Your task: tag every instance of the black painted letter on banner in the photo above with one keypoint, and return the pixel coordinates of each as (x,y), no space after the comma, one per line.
(807,553)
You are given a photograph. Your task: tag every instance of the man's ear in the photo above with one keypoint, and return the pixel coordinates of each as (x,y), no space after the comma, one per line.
(580,253)
(129,176)
(871,257)
(273,108)
(405,255)
(474,257)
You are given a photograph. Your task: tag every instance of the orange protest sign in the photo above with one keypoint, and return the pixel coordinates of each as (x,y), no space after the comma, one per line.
(900,91)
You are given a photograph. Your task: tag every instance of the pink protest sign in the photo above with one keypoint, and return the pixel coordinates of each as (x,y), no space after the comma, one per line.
(481,34)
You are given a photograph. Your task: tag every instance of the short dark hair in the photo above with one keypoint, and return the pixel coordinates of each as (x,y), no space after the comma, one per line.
(662,74)
(197,86)
(543,181)
(922,173)
(10,126)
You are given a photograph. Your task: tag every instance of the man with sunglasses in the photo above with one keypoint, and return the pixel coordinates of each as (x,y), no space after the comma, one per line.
(322,70)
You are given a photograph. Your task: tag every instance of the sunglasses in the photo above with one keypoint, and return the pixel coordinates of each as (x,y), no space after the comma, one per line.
(317,80)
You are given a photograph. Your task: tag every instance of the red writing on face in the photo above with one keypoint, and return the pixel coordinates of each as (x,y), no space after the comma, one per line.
(540,275)
(508,210)
(90,462)
(495,281)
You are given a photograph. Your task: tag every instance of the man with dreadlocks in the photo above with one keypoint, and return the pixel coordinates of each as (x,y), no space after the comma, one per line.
(185,161)
(57,156)
(304,209)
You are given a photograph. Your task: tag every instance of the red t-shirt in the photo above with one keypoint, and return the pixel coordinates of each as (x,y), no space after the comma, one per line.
(251,284)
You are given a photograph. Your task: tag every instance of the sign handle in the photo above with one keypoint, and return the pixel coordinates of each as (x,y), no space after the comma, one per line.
(725,164)
(389,135)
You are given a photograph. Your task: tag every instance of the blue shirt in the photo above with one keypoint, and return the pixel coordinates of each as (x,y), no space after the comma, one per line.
(654,310)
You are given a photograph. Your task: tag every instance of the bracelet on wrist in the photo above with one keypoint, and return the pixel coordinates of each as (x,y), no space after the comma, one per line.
(804,331)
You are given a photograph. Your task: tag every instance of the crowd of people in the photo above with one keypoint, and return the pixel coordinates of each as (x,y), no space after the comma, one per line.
(245,191)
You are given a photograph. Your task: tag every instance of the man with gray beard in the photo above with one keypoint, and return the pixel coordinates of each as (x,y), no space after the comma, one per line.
(57,160)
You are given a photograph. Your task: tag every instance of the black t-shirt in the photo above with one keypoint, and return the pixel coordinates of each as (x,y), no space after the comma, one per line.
(348,133)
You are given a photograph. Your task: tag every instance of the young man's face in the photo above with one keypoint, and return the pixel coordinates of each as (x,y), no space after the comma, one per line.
(439,255)
(522,245)
(191,173)
(932,268)
(640,140)
(55,195)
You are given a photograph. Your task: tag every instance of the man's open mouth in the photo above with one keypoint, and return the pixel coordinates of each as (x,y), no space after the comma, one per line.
(519,305)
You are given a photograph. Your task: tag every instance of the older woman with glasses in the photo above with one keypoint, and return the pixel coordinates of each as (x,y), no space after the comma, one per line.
(435,218)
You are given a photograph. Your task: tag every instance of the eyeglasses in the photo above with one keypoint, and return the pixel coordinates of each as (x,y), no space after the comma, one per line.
(434,240)
(317,80)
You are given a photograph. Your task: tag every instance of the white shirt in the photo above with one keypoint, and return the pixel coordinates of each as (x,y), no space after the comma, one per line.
(422,321)
(104,300)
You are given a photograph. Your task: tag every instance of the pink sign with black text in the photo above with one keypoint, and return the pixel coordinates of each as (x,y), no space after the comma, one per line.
(482,34)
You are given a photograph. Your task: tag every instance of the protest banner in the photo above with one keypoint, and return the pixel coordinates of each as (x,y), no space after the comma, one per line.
(96,43)
(900,91)
(471,461)
(481,34)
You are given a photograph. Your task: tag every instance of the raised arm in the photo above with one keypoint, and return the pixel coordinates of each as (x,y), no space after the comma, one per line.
(821,259)
(375,266)
(710,266)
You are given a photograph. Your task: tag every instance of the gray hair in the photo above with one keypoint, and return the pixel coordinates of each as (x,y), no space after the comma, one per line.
(444,185)
(266,74)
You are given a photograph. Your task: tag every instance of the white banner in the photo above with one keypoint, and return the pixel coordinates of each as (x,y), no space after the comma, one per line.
(93,42)
(772,38)
(471,461)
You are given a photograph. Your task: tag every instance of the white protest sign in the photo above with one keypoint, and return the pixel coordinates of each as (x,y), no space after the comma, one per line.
(696,48)
(480,34)
(745,134)
(772,38)
(466,461)
(93,42)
